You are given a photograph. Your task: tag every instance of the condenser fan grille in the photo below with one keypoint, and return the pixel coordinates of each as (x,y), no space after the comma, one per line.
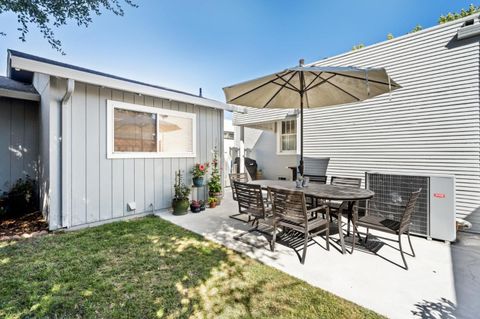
(392,193)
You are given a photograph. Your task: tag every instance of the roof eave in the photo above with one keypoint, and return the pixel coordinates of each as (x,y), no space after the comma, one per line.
(19,95)
(100,80)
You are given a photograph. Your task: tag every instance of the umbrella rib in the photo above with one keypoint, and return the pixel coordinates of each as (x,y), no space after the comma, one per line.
(316,77)
(255,88)
(363,79)
(292,87)
(286,87)
(323,81)
(279,90)
(339,88)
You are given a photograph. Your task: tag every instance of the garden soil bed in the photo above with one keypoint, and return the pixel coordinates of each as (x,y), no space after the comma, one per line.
(30,225)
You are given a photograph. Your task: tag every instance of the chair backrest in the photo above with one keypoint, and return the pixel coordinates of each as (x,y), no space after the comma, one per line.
(288,205)
(315,166)
(409,210)
(250,198)
(239,177)
(321,179)
(346,181)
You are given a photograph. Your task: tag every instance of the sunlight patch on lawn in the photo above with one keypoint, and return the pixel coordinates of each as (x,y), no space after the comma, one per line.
(56,287)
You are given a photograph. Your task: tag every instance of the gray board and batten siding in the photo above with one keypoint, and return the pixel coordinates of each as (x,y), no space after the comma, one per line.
(430,125)
(18,141)
(100,188)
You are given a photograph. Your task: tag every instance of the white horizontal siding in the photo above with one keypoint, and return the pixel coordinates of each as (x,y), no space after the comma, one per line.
(430,125)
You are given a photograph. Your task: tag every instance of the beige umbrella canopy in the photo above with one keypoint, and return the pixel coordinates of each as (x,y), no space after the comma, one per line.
(311,87)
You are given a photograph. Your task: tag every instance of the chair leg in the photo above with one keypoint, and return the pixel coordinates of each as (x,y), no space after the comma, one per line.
(327,236)
(348,225)
(366,235)
(305,249)
(353,240)
(274,237)
(401,251)
(410,243)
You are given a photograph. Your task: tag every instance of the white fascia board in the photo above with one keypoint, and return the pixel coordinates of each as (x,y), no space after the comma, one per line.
(100,80)
(19,95)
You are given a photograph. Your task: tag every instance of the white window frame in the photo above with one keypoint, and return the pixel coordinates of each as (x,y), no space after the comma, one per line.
(112,105)
(279,134)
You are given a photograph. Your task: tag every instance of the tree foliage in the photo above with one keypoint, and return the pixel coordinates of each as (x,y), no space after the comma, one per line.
(390,36)
(472,9)
(49,14)
(416,28)
(358,47)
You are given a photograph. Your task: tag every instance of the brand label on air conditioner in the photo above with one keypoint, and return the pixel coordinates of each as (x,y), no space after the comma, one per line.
(439,195)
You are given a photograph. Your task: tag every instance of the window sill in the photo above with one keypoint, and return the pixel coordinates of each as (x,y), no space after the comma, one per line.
(150,155)
(287,153)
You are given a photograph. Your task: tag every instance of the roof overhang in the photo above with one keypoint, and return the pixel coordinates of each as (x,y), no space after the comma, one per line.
(258,123)
(16,62)
(19,95)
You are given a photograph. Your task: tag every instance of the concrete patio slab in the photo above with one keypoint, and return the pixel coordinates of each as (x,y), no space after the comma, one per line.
(443,281)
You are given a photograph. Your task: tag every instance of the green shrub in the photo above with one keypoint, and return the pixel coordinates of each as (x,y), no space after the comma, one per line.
(21,199)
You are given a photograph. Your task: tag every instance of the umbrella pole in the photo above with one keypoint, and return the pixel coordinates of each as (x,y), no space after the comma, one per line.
(301,135)
(302,92)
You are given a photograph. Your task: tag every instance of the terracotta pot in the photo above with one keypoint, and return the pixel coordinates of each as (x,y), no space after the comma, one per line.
(213,205)
(218,196)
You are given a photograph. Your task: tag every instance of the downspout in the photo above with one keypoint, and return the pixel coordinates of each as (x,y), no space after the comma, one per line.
(66,110)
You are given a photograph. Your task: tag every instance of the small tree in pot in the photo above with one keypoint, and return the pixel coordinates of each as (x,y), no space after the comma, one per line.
(215,184)
(180,200)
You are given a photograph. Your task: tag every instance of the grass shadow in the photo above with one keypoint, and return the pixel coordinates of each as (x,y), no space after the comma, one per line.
(150,268)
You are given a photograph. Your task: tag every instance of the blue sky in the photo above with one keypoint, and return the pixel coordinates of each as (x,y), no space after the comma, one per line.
(211,44)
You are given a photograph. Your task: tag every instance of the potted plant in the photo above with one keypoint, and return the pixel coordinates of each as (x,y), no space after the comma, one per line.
(195,206)
(212,202)
(198,172)
(202,205)
(180,201)
(215,184)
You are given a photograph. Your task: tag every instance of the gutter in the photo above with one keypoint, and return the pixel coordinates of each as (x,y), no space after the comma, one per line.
(113,82)
(65,145)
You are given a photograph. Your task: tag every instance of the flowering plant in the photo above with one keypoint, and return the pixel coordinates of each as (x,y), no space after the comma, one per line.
(196,203)
(215,184)
(199,170)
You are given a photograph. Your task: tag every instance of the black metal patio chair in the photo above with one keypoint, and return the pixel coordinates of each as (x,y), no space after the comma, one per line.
(391,226)
(239,177)
(338,206)
(290,212)
(251,203)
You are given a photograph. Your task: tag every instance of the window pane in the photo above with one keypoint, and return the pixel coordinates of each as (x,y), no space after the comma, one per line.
(288,136)
(134,131)
(175,134)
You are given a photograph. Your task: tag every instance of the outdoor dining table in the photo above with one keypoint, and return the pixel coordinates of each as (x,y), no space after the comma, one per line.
(329,193)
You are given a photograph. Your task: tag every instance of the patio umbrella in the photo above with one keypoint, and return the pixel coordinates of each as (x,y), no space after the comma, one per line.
(310,87)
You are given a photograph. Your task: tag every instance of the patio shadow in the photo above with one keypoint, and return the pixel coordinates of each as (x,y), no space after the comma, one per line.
(442,309)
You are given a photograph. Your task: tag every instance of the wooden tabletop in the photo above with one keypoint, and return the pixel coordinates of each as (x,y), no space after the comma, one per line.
(324,191)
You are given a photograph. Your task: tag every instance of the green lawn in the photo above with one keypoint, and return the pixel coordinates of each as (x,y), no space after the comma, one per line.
(150,268)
